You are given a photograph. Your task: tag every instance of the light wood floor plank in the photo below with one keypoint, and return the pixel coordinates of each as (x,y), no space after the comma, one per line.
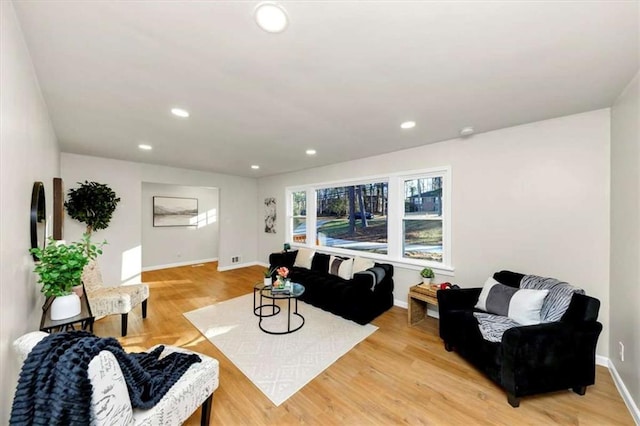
(398,375)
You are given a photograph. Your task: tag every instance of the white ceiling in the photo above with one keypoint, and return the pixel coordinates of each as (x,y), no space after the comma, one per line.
(340,79)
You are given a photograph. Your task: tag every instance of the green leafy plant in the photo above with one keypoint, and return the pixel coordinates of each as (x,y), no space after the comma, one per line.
(427,273)
(60,266)
(93,204)
(269,272)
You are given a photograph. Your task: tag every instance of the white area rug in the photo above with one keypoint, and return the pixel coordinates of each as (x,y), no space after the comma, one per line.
(278,365)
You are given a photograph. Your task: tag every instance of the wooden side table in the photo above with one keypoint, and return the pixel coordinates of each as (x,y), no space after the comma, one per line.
(419,297)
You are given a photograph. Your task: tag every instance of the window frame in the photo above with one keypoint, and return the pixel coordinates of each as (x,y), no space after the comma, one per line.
(395,218)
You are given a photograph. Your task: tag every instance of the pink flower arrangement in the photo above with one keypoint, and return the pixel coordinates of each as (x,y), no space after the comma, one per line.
(283,271)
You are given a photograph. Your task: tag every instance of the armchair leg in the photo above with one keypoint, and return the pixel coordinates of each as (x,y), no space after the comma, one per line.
(125,317)
(144,308)
(513,400)
(206,411)
(580,390)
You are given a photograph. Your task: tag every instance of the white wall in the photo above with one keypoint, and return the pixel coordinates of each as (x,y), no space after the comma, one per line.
(163,247)
(28,152)
(625,236)
(122,259)
(532,198)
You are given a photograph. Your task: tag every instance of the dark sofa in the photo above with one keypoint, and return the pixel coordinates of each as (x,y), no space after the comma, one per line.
(530,359)
(352,299)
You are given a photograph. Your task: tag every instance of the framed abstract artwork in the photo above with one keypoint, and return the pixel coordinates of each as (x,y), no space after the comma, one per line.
(174,211)
(270,215)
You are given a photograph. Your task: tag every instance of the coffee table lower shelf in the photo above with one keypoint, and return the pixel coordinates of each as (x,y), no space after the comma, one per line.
(268,308)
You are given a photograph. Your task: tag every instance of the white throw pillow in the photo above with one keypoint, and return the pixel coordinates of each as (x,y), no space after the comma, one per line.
(361,264)
(304,258)
(341,267)
(521,305)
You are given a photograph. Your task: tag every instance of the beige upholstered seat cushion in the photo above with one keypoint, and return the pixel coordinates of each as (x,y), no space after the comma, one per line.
(193,388)
(116,300)
(110,300)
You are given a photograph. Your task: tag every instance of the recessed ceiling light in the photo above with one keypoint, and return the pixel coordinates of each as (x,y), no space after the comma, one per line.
(179,112)
(311,152)
(145,147)
(255,166)
(271,17)
(408,125)
(466,131)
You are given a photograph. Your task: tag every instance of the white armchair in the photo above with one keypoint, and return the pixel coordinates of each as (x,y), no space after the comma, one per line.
(113,300)
(110,403)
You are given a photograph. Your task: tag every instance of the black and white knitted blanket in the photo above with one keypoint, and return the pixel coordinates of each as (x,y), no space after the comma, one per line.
(54,386)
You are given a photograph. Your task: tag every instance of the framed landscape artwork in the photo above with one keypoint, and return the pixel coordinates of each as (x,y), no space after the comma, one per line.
(173,211)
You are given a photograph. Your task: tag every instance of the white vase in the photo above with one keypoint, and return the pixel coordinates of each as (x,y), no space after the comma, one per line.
(64,307)
(267,281)
(426,280)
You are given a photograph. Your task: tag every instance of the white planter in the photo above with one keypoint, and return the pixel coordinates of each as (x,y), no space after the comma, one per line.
(267,281)
(426,280)
(64,307)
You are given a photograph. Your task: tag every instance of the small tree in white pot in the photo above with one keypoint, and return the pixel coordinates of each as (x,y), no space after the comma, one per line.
(427,275)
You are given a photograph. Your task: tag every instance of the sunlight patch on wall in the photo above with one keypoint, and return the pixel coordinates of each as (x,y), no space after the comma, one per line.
(131,265)
(206,218)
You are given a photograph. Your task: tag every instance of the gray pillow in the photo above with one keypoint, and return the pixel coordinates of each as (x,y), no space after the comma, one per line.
(521,305)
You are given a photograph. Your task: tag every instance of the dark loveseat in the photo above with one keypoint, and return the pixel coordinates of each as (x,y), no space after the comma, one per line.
(353,299)
(530,359)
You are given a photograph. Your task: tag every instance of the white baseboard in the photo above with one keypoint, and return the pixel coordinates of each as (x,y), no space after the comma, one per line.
(624,392)
(602,360)
(238,266)
(400,303)
(175,265)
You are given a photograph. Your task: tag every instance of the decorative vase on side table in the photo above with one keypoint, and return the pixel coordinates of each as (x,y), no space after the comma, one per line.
(64,307)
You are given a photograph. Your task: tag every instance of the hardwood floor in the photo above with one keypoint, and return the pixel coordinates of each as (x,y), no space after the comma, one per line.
(398,375)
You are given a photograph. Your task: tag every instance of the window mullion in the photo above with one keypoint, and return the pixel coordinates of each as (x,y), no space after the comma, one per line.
(394,219)
(312,219)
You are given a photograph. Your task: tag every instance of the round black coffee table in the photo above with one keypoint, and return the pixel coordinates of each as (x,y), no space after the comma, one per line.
(270,305)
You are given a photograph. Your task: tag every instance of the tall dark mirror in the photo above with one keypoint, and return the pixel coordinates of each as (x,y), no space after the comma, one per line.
(38,217)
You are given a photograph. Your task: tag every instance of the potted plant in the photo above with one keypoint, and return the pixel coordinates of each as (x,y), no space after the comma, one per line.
(268,274)
(59,268)
(427,275)
(93,204)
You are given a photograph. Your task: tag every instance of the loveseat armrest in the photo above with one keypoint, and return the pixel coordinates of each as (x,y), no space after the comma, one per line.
(286,258)
(457,299)
(549,356)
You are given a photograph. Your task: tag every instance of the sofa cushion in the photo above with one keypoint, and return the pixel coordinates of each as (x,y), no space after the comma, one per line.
(493,326)
(361,264)
(520,305)
(304,258)
(373,276)
(320,262)
(341,267)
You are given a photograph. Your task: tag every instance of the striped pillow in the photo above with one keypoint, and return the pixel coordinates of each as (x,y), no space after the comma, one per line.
(522,306)
(341,267)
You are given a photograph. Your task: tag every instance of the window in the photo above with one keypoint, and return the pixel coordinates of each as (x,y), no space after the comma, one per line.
(298,223)
(353,217)
(422,219)
(403,217)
